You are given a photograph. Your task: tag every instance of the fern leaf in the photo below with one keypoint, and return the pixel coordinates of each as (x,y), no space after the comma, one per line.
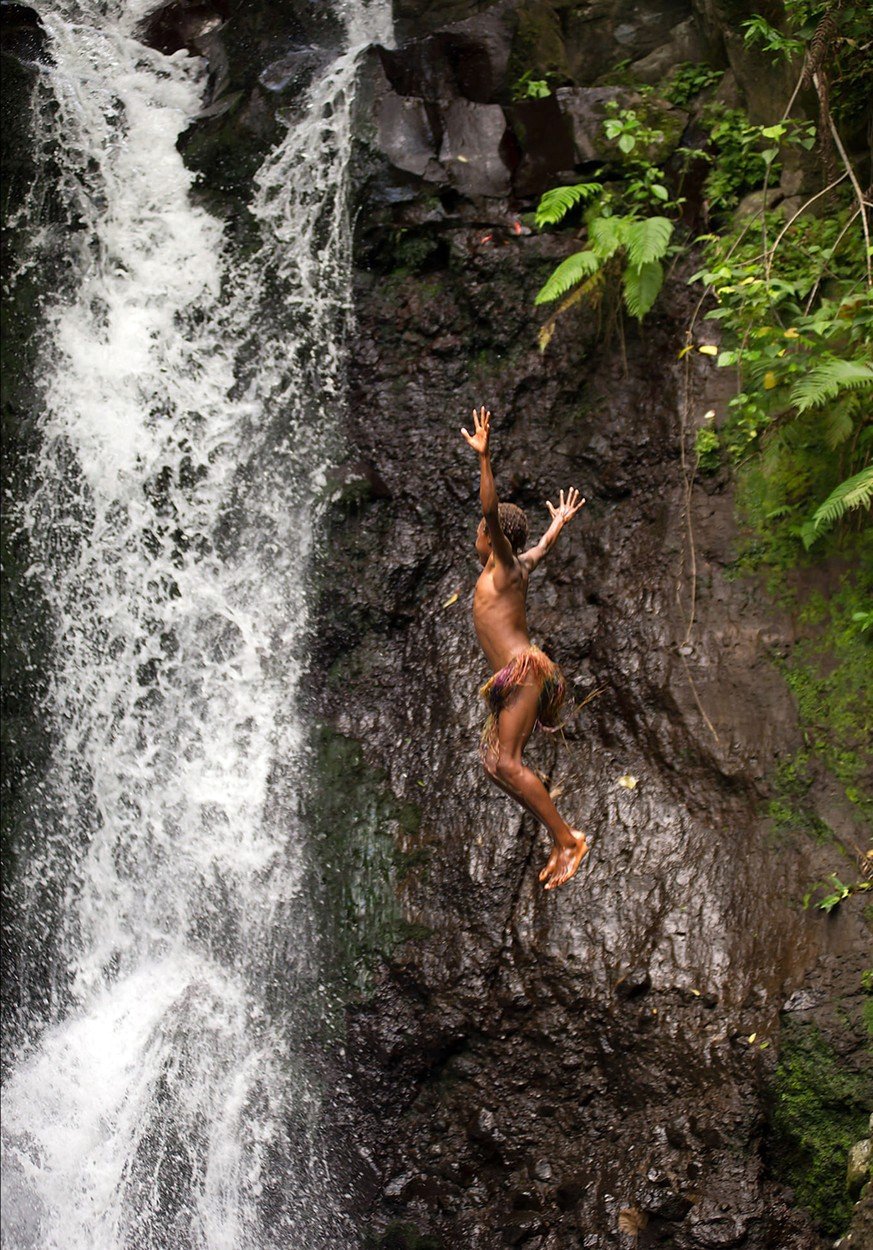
(589,289)
(826,381)
(555,204)
(838,423)
(641,286)
(648,240)
(855,492)
(570,271)
(607,234)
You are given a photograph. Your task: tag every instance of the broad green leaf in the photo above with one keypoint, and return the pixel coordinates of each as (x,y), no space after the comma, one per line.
(839,423)
(570,271)
(648,240)
(641,287)
(855,492)
(828,379)
(555,204)
(607,234)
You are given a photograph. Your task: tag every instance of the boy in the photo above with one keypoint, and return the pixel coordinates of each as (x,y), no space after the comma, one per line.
(526,688)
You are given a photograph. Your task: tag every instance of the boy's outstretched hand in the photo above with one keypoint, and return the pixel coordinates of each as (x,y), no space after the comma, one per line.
(478,440)
(567,508)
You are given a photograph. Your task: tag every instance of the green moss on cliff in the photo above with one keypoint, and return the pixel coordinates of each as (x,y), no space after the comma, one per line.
(357,824)
(831,675)
(538,49)
(819,1109)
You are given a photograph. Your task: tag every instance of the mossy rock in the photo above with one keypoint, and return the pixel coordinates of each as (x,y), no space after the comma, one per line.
(819,1109)
(538,48)
(360,833)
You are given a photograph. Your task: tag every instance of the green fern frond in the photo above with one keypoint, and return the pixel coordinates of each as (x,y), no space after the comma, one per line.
(648,240)
(607,234)
(555,204)
(590,289)
(641,286)
(570,271)
(855,492)
(828,379)
(838,422)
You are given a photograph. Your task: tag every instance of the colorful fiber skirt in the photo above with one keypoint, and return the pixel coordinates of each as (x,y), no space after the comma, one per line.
(528,668)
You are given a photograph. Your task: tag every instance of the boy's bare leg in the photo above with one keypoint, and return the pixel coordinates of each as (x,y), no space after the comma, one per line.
(491,768)
(508,770)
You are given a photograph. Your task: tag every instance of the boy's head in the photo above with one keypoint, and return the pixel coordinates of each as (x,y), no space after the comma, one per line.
(513,522)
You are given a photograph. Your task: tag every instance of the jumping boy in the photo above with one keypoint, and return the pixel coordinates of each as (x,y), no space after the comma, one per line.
(526,687)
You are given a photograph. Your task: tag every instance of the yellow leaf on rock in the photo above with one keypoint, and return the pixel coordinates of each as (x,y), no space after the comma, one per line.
(707,349)
(632,1221)
(752,1037)
(451,599)
(770,380)
(629,782)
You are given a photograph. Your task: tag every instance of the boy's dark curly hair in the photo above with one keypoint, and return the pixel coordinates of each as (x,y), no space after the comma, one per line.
(513,522)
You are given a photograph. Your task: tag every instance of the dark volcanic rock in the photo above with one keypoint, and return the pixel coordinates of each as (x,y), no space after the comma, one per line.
(587,1051)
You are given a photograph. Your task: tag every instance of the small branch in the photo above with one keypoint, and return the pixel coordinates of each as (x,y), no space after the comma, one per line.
(855,184)
(770,254)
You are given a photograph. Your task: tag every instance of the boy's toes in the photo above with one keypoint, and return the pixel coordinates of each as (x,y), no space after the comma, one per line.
(549,867)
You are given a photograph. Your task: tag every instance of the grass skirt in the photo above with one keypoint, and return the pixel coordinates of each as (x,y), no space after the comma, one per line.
(528,668)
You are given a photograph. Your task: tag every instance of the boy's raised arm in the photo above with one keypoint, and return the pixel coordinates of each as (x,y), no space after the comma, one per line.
(565,511)
(479,441)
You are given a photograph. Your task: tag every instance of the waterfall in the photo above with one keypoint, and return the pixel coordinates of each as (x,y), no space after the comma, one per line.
(167,1097)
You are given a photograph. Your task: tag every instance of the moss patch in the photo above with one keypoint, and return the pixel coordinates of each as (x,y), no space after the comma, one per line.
(538,47)
(831,675)
(788,811)
(819,1110)
(356,826)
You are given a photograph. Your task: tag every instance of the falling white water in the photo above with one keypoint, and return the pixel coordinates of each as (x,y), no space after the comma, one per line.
(190,402)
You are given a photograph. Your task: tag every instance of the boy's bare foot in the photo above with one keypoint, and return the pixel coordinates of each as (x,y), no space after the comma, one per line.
(551,863)
(568,860)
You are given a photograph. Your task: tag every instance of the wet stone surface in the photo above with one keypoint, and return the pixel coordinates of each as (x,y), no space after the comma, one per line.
(538,1063)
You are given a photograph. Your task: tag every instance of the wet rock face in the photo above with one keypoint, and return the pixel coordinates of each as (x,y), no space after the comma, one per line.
(260,58)
(531,1065)
(532,1069)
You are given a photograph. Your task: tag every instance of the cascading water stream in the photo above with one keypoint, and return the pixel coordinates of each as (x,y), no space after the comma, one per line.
(167,1101)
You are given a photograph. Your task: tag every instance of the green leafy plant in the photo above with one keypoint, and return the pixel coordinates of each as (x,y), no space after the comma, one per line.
(626,245)
(743,156)
(529,88)
(798,428)
(836,892)
(639,244)
(759,31)
(707,445)
(855,492)
(555,204)
(688,81)
(639,142)
(627,129)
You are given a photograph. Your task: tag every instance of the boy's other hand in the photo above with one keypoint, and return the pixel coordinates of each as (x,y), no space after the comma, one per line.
(567,508)
(478,440)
